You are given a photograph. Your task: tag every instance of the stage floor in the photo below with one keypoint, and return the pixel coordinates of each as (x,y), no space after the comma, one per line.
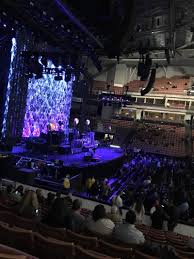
(104,154)
(110,160)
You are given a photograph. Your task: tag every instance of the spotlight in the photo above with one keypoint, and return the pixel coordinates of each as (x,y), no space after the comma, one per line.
(76,121)
(58,78)
(87,122)
(44,61)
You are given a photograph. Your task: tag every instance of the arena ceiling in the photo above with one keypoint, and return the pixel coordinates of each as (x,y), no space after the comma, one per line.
(111,28)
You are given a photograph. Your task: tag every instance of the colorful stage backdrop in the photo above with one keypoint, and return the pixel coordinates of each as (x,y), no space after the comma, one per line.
(48,102)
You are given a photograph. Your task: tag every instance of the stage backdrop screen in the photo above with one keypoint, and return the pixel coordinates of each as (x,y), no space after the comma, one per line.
(48,103)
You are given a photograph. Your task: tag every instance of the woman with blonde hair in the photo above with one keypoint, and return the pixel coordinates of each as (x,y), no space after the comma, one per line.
(29,206)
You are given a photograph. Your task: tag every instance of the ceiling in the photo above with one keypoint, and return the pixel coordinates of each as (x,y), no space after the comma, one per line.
(110,28)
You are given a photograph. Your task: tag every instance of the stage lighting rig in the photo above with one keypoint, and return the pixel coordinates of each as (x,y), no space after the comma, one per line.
(58,77)
(68,74)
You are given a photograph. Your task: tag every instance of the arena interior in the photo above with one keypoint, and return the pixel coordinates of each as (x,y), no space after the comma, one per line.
(97,129)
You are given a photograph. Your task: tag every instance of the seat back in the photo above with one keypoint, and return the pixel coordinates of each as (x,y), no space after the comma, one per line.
(12,251)
(50,248)
(22,239)
(18,238)
(82,240)
(82,253)
(57,233)
(140,255)
(11,256)
(115,250)
(25,223)
(7,217)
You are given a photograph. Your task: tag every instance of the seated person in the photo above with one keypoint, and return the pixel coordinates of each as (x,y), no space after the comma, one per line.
(115,215)
(46,206)
(158,218)
(100,224)
(59,215)
(139,210)
(29,206)
(18,193)
(78,221)
(127,232)
(40,196)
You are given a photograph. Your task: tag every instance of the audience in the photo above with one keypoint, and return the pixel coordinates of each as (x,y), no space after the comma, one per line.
(29,206)
(100,224)
(78,221)
(115,215)
(127,232)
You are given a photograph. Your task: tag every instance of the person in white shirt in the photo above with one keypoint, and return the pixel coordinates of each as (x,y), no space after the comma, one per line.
(115,215)
(100,224)
(127,232)
(139,210)
(117,200)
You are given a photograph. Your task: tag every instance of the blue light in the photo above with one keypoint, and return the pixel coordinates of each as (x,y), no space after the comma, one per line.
(13,54)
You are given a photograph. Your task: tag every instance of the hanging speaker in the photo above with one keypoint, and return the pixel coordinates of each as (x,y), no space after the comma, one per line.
(140,68)
(150,84)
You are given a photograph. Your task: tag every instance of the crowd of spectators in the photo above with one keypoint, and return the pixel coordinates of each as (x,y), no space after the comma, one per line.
(157,185)
(59,211)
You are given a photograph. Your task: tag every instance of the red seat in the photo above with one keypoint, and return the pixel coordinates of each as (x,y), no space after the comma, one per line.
(47,231)
(47,248)
(82,253)
(83,240)
(115,250)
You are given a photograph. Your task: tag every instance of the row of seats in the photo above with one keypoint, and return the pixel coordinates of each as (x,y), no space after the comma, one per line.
(174,85)
(49,242)
(7,252)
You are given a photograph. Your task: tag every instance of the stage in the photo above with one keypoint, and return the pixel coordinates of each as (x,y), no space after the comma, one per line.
(107,161)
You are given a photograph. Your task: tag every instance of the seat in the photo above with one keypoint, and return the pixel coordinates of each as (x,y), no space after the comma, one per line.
(115,250)
(82,240)
(12,256)
(7,217)
(12,251)
(47,231)
(47,248)
(18,238)
(25,223)
(82,253)
(140,255)
(185,254)
(22,239)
